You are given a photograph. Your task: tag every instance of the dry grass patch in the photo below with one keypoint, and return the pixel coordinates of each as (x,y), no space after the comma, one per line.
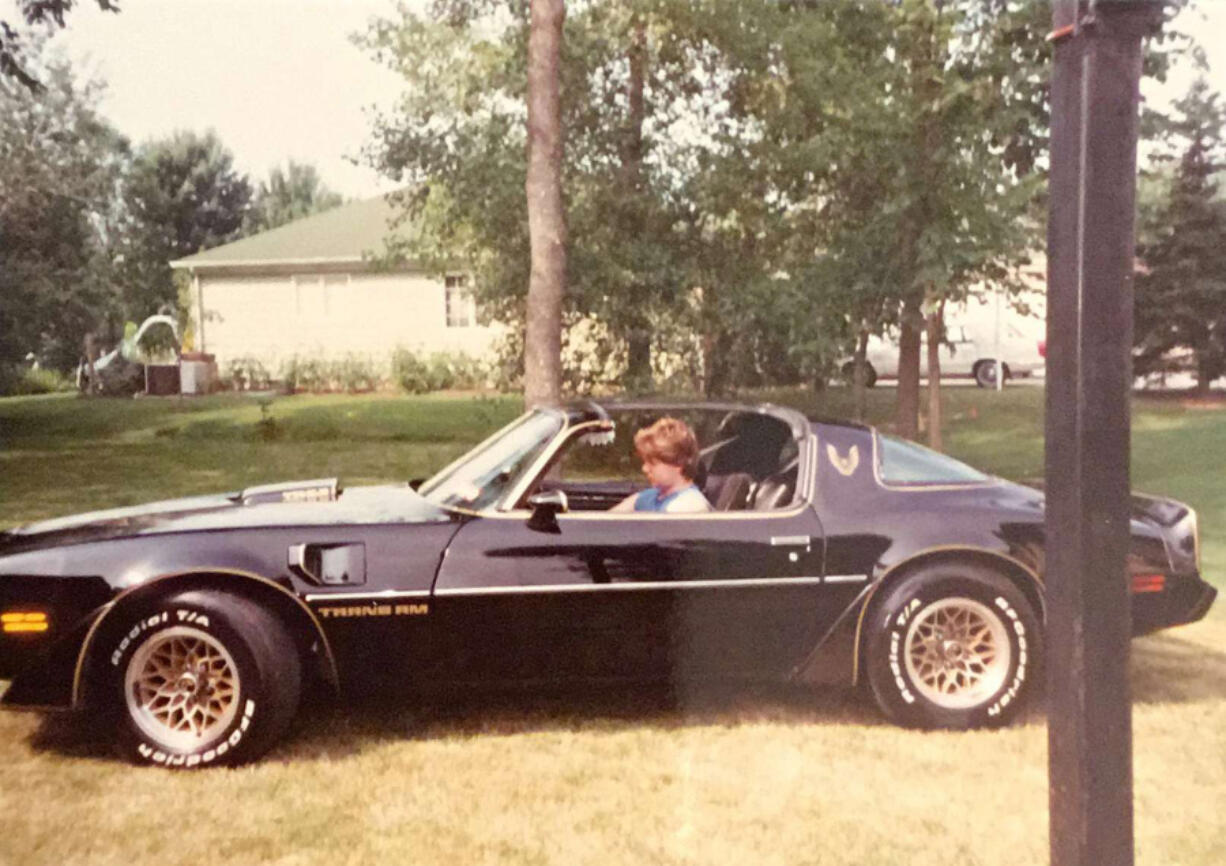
(770,776)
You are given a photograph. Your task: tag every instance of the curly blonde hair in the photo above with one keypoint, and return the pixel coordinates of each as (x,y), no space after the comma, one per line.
(670,441)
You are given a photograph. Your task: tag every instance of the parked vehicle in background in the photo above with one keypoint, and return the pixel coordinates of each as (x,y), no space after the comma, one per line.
(970,348)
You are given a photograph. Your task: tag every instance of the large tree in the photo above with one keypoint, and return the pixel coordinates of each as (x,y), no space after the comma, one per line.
(546,216)
(182,194)
(1181,292)
(60,167)
(458,142)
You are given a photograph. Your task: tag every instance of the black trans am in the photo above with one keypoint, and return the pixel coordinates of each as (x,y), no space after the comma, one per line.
(835,554)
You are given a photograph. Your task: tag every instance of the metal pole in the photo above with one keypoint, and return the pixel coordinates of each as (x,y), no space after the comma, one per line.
(1089,333)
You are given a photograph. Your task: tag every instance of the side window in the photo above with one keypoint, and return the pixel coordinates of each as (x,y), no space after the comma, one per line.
(461,307)
(905,462)
(595,470)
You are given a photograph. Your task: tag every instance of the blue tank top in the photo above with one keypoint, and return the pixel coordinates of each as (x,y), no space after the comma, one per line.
(687,499)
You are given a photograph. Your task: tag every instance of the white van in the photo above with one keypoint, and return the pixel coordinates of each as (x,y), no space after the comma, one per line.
(970,347)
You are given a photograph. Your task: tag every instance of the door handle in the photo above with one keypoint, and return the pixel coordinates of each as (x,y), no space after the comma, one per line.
(805,541)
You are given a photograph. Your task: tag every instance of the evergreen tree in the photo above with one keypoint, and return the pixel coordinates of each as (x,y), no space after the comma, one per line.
(1181,291)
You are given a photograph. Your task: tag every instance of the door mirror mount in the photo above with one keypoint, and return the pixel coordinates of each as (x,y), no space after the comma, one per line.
(546,506)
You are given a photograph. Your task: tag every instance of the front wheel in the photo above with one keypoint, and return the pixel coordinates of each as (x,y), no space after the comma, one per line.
(953,646)
(203,678)
(870,375)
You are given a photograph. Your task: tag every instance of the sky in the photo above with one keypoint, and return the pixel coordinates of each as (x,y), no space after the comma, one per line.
(276,79)
(280,79)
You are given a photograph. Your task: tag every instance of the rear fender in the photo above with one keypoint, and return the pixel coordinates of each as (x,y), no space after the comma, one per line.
(1020,574)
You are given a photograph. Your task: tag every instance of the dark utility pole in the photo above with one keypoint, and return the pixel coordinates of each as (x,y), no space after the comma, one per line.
(1090,245)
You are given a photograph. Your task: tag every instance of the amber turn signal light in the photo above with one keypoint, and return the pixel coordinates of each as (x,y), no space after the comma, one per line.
(23,621)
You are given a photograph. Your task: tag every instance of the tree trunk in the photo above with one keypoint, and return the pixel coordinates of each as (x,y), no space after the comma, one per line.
(716,349)
(638,361)
(859,387)
(91,355)
(1204,378)
(925,82)
(936,333)
(906,417)
(546,219)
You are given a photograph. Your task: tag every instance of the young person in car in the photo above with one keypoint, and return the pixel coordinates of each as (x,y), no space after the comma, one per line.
(669,451)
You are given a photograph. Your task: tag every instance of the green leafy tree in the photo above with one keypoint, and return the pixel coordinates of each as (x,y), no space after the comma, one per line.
(457,141)
(289,193)
(14,64)
(60,168)
(182,194)
(1181,293)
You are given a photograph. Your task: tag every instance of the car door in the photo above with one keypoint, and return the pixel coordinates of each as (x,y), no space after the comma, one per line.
(661,596)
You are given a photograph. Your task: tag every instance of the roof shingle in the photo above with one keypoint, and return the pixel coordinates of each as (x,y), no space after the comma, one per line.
(348,233)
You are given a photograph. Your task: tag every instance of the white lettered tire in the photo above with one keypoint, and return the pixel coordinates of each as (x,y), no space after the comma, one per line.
(953,645)
(202,678)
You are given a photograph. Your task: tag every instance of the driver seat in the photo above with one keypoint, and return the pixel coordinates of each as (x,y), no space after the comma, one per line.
(734,492)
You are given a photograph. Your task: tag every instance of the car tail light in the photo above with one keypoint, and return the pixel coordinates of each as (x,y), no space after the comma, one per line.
(1148,583)
(1042,348)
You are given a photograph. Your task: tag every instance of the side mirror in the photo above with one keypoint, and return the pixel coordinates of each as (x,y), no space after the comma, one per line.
(546,507)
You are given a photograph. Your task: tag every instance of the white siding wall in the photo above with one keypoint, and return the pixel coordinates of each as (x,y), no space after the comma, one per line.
(329,317)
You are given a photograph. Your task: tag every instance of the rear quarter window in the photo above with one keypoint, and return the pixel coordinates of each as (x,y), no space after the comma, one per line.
(905,462)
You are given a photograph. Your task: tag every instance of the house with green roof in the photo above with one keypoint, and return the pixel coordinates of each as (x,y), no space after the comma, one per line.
(311,289)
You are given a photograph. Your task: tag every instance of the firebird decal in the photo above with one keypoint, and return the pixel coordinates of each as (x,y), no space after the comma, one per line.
(846,465)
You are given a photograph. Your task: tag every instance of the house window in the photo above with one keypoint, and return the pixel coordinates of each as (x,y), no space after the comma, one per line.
(461,307)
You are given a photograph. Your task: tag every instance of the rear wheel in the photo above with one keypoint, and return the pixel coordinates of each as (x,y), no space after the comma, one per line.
(953,646)
(985,373)
(203,678)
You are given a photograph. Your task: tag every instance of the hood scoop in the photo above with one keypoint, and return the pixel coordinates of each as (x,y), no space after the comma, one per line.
(318,490)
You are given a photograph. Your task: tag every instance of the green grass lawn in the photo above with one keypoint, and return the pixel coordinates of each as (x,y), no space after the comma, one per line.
(773,776)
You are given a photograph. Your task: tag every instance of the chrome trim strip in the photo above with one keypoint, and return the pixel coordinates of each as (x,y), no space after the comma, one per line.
(515,493)
(805,580)
(652,516)
(846,578)
(557,413)
(373,596)
(806,479)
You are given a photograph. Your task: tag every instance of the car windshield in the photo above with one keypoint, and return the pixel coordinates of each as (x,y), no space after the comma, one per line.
(905,462)
(479,478)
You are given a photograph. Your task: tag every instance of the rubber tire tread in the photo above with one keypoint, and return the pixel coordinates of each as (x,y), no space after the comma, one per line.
(930,584)
(277,687)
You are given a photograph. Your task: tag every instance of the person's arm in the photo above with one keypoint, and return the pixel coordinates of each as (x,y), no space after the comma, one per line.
(626,504)
(691,501)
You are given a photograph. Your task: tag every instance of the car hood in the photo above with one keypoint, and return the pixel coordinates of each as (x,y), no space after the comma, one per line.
(299,503)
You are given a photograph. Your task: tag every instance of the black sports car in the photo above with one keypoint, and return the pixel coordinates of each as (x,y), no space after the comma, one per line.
(834,554)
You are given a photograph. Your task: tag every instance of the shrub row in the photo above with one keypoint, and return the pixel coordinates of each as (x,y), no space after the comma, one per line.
(20,380)
(413,372)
